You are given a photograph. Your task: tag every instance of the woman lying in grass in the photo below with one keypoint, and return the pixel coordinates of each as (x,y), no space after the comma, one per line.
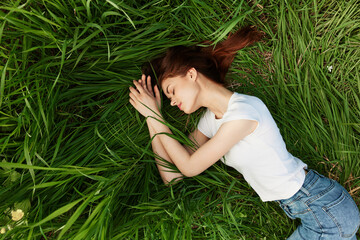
(241,129)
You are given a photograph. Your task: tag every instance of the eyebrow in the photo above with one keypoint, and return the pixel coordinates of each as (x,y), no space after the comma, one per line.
(167,89)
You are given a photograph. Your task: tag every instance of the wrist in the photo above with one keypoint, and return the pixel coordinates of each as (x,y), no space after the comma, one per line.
(154,117)
(157,123)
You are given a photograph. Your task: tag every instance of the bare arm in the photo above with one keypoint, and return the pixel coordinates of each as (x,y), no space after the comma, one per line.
(166,174)
(192,164)
(196,136)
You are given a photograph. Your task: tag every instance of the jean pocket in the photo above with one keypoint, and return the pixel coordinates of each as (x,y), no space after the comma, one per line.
(345,214)
(287,212)
(295,209)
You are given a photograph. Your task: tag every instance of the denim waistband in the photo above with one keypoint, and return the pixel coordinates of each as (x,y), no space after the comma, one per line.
(311,177)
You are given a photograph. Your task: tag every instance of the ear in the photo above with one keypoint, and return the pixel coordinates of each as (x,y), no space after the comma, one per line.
(192,73)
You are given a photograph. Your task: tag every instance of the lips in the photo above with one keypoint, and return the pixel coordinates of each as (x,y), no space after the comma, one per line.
(179,106)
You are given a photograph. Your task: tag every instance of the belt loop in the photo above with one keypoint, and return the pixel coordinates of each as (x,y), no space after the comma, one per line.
(304,190)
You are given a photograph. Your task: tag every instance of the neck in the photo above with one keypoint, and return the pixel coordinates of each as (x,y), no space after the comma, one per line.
(215,97)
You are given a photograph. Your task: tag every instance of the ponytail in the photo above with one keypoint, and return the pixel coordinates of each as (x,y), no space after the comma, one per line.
(213,63)
(225,52)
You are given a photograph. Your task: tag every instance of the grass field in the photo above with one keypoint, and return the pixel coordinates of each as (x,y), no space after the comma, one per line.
(76,157)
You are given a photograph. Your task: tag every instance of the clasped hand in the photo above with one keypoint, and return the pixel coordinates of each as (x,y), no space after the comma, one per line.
(144,99)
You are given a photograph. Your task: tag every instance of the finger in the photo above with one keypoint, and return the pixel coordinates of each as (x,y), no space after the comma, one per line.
(157,93)
(157,96)
(138,87)
(149,85)
(157,90)
(140,82)
(143,83)
(131,101)
(133,92)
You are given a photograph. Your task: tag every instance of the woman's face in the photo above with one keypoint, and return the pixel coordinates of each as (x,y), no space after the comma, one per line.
(183,91)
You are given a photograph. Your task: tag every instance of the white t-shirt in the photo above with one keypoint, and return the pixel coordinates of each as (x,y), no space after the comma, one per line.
(260,157)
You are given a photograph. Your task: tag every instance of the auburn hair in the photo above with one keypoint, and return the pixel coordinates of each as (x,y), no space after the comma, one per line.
(211,62)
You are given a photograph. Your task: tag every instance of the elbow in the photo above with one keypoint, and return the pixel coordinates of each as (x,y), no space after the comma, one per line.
(190,173)
(189,169)
(171,181)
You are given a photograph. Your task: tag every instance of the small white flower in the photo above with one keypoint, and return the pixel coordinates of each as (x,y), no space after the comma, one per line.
(329,68)
(17,215)
(3,230)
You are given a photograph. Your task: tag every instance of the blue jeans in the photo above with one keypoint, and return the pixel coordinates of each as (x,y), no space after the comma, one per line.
(326,210)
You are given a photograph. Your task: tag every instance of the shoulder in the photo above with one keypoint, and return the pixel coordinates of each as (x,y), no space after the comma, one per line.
(244,107)
(247,100)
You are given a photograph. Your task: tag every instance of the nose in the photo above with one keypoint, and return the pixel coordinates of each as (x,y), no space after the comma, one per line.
(173,103)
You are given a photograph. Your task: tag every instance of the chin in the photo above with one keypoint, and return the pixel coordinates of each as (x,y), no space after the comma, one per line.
(188,112)
(191,110)
(184,111)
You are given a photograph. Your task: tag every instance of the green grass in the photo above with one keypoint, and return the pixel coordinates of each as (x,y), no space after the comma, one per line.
(76,157)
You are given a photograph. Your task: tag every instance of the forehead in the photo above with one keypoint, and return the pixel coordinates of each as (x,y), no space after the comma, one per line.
(169,81)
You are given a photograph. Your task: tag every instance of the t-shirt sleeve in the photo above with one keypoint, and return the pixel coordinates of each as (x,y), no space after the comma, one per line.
(242,110)
(203,124)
